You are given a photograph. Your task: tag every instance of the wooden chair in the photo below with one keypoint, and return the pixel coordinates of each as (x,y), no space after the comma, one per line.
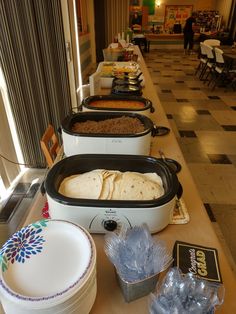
(50,145)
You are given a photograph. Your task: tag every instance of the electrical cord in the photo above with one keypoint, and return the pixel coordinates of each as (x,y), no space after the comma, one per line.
(17,163)
(42,187)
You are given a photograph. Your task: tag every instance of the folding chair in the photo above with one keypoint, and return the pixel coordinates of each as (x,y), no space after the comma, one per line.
(222,72)
(209,64)
(203,59)
(212,42)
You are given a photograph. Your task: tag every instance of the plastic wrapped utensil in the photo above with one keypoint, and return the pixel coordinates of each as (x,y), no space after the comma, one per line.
(135,254)
(185,294)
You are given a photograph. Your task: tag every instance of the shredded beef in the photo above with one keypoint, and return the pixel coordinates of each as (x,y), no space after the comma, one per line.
(122,125)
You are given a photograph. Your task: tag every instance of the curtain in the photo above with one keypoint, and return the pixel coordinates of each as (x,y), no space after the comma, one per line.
(33,59)
(116,18)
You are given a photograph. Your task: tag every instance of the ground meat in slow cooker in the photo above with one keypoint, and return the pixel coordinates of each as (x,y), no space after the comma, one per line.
(122,125)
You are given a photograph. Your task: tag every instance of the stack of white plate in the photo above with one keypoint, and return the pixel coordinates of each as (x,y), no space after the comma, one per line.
(48,267)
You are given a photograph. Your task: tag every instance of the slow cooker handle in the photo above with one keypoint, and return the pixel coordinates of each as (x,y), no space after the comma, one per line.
(152,109)
(179,191)
(160,130)
(42,188)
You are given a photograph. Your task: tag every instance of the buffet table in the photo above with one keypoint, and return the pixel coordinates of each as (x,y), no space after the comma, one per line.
(199,230)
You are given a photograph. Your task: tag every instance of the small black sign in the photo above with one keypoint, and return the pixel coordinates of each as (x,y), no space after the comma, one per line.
(198,260)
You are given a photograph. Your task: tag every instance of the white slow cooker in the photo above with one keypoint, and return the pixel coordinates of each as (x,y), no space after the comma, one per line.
(94,143)
(100,216)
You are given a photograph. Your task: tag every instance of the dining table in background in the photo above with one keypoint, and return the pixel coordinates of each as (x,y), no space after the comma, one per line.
(228,49)
(229,55)
(230,58)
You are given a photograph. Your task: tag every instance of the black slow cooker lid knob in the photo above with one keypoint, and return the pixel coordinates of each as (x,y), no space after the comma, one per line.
(110,225)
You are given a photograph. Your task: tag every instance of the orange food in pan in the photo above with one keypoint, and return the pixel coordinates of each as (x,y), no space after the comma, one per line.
(117,104)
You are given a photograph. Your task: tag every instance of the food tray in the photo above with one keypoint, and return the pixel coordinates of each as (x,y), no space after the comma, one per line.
(146,110)
(109,70)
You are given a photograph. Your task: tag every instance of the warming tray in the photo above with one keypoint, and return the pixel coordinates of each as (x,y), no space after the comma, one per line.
(95,143)
(99,216)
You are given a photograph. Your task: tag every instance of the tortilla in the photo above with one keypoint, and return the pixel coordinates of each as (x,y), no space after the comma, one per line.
(107,187)
(113,185)
(137,186)
(86,185)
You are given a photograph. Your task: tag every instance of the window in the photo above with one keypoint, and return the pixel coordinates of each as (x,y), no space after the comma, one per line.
(9,144)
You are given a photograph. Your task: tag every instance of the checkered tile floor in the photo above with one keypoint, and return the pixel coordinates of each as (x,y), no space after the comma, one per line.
(204,123)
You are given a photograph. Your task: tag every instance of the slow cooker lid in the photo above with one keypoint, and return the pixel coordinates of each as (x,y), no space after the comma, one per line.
(118,81)
(83,163)
(127,90)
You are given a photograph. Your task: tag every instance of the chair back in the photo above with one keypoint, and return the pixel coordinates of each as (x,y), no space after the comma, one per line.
(219,55)
(203,50)
(209,51)
(212,42)
(50,145)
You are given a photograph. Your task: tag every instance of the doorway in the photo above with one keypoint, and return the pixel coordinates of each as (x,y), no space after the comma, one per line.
(99,16)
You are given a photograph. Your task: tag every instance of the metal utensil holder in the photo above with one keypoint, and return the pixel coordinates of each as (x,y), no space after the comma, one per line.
(134,290)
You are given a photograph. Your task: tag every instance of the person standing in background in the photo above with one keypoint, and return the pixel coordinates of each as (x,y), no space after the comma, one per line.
(136,21)
(189,33)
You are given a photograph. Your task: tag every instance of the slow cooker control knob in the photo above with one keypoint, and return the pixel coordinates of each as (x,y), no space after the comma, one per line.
(110,225)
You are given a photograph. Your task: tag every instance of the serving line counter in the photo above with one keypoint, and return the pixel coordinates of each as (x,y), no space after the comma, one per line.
(199,230)
(168,41)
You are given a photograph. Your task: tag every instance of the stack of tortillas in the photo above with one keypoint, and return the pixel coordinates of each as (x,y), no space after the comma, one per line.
(113,185)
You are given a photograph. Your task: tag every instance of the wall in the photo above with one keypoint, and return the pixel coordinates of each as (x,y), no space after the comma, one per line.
(87,44)
(84,63)
(86,40)
(197,5)
(85,55)
(224,6)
